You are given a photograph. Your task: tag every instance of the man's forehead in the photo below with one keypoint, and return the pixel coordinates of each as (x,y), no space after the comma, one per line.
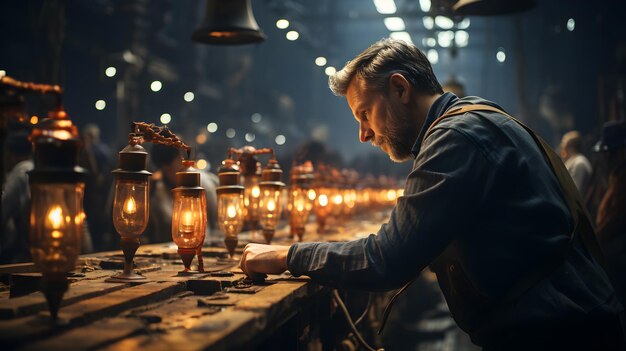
(356,86)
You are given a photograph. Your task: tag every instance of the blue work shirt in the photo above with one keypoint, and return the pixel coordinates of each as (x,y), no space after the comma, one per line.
(481,189)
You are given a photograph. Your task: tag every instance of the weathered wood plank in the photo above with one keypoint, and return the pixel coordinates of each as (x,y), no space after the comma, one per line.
(26,329)
(98,334)
(226,330)
(33,303)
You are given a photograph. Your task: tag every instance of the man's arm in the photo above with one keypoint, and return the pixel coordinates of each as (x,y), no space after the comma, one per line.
(442,195)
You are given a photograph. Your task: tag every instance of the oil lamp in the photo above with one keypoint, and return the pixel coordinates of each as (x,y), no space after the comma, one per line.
(322,205)
(57,186)
(230,203)
(189,214)
(131,205)
(301,198)
(270,203)
(251,170)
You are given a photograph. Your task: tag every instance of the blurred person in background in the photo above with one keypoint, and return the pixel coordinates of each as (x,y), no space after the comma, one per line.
(575,161)
(16,197)
(97,158)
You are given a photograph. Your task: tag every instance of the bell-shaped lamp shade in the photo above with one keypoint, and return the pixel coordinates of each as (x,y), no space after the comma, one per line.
(492,7)
(228,22)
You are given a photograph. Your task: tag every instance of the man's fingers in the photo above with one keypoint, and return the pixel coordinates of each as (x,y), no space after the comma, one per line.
(242,263)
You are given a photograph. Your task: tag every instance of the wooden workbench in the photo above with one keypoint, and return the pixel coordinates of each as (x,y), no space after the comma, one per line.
(172,311)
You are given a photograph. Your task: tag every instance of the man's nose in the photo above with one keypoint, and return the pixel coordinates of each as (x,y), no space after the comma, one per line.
(365,133)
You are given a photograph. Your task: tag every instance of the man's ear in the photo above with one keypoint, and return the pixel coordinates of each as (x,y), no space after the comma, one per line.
(399,87)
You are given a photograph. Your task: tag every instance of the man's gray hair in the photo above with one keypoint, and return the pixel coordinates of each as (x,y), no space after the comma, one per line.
(381,60)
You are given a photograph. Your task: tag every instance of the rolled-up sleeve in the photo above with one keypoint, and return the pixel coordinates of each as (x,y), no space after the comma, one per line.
(442,194)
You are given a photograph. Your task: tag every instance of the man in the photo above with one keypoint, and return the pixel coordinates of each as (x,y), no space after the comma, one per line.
(576,163)
(481,207)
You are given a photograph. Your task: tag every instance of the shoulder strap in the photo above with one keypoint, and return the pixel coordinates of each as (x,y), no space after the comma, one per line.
(583,228)
(573,198)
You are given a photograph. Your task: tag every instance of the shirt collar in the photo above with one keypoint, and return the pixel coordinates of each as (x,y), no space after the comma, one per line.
(439,107)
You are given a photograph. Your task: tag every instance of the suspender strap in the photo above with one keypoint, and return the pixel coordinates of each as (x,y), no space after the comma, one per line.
(583,228)
(570,192)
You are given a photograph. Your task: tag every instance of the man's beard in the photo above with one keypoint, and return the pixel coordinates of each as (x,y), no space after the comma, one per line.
(400,136)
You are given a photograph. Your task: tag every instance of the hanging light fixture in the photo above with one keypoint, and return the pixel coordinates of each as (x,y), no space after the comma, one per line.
(189,214)
(492,7)
(230,203)
(228,22)
(57,186)
(270,203)
(131,205)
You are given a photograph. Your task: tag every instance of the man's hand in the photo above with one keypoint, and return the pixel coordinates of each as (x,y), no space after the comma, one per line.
(258,260)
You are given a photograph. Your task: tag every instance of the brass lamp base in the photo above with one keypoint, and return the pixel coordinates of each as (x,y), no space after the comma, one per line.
(268,234)
(54,287)
(187,256)
(231,244)
(131,277)
(129,247)
(299,231)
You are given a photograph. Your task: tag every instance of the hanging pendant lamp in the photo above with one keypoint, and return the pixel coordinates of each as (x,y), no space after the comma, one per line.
(228,22)
(492,7)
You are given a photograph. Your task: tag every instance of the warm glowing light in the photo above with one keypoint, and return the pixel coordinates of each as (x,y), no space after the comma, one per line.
(321,61)
(130,206)
(256,191)
(391,195)
(425,5)
(311,194)
(202,164)
(156,86)
(323,200)
(110,72)
(337,199)
(34,119)
(187,221)
(54,222)
(189,96)
(250,137)
(271,205)
(299,206)
(330,70)
(231,211)
(55,217)
(282,23)
(201,138)
(292,35)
